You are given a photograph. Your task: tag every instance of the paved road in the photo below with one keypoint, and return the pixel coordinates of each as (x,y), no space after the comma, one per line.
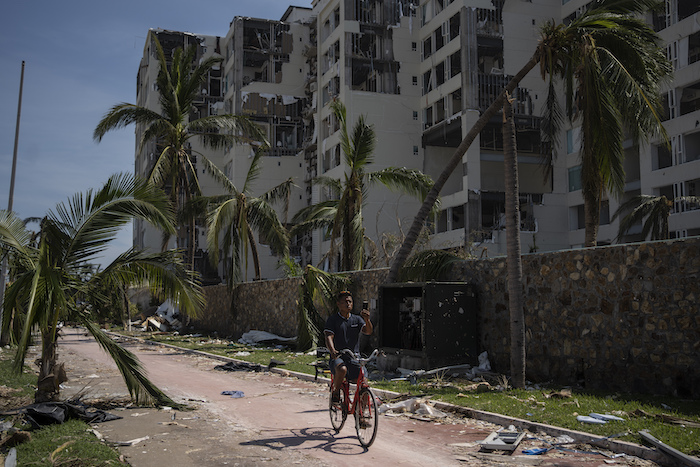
(280,420)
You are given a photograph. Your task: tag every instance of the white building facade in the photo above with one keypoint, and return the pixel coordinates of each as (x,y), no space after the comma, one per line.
(421,72)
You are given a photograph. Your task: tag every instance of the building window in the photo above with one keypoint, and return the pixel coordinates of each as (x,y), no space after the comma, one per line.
(414,46)
(415,150)
(577,218)
(415,81)
(575,178)
(570,140)
(415,115)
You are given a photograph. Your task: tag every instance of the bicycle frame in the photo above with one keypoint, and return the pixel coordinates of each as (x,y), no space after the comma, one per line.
(359,384)
(363,405)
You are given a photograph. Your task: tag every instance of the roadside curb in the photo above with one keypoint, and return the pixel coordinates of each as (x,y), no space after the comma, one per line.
(616,446)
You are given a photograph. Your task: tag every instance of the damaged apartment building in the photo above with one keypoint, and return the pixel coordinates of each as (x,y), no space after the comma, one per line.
(209,102)
(422,72)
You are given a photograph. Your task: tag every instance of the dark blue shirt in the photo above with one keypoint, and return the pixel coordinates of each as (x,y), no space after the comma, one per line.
(346,332)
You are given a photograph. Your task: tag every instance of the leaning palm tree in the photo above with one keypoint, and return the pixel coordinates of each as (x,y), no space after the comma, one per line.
(52,280)
(656,210)
(627,46)
(178,86)
(235,216)
(343,216)
(513,250)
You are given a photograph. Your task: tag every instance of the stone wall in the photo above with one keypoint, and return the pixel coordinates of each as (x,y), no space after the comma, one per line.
(621,317)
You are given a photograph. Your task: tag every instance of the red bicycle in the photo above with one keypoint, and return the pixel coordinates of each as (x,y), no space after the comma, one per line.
(363,405)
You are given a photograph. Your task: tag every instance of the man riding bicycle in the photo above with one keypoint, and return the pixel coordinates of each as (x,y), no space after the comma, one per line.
(342,331)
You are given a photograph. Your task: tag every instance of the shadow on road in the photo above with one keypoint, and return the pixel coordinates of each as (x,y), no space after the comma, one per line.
(318,438)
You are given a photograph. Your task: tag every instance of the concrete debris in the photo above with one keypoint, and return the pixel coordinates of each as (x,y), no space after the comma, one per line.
(165,318)
(463,370)
(502,441)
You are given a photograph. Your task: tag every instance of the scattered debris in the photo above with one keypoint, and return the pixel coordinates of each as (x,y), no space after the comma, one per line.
(598,418)
(606,417)
(563,394)
(421,409)
(668,418)
(132,442)
(233,394)
(239,366)
(591,420)
(263,337)
(687,460)
(502,440)
(47,413)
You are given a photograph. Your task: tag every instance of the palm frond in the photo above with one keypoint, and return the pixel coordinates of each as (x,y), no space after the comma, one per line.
(141,389)
(264,218)
(164,273)
(123,115)
(428,265)
(412,182)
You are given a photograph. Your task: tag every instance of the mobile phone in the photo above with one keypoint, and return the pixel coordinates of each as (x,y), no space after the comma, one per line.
(365,305)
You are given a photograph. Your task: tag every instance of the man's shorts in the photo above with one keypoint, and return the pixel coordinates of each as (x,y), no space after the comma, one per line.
(352,365)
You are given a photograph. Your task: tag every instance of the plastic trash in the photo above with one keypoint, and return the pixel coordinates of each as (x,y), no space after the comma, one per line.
(430,411)
(233,394)
(11,459)
(592,420)
(605,417)
(409,405)
(535,451)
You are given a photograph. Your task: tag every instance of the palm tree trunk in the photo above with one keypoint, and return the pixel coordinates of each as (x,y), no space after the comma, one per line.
(48,380)
(515,270)
(591,210)
(429,202)
(254,253)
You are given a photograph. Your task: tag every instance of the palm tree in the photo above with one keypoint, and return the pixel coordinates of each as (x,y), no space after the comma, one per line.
(343,216)
(178,86)
(617,45)
(655,209)
(235,216)
(53,281)
(317,289)
(515,268)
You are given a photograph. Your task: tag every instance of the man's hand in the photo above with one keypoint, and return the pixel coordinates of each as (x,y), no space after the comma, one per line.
(365,315)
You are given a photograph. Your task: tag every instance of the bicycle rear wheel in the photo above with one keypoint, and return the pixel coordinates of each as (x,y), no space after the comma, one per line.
(338,411)
(366,418)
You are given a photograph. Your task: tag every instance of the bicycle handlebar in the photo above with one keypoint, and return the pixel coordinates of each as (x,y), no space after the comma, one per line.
(361,360)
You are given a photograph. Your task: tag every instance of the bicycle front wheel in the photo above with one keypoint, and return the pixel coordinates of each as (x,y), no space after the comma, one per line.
(338,411)
(366,418)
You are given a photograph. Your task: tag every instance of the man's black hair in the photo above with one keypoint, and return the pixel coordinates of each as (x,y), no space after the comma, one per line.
(343,294)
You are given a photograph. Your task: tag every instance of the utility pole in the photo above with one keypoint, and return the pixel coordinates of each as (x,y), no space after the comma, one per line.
(3,269)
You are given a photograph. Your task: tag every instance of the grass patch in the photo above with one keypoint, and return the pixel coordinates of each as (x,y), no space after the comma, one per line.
(24,383)
(57,445)
(641,412)
(69,443)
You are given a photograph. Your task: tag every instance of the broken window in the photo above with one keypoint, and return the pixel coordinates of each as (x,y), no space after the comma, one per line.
(454,26)
(455,61)
(456,98)
(440,73)
(427,47)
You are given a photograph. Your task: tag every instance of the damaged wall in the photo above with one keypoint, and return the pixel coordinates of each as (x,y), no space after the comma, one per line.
(621,318)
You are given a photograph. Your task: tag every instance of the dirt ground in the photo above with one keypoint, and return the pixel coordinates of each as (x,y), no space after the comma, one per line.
(257,431)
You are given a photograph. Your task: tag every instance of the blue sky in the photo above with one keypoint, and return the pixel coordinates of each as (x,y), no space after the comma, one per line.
(81,59)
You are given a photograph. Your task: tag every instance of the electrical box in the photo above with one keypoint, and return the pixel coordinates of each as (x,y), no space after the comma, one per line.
(428,325)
